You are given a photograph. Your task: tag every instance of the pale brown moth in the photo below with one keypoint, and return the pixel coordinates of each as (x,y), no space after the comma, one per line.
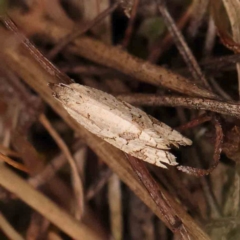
(120,124)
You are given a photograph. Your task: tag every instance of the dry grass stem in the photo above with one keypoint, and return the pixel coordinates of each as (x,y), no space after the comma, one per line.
(115,206)
(8,230)
(216,156)
(232,8)
(225,108)
(129,29)
(6,151)
(51,169)
(76,179)
(161,46)
(173,222)
(44,62)
(182,46)
(114,57)
(13,163)
(210,38)
(99,184)
(81,30)
(45,206)
(198,14)
(194,122)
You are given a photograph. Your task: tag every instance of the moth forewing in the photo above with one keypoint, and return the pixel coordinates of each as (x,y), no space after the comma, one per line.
(119,123)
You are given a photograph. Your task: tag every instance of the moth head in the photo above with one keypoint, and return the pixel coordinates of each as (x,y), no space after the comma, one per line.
(60,91)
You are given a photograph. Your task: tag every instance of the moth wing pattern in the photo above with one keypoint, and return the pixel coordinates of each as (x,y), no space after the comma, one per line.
(120,124)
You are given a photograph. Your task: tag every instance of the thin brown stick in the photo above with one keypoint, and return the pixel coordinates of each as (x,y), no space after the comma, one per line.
(88,70)
(216,66)
(129,30)
(51,169)
(226,108)
(38,227)
(199,12)
(120,60)
(206,187)
(48,172)
(216,156)
(210,198)
(79,31)
(76,180)
(13,163)
(232,9)
(13,183)
(53,235)
(220,63)
(210,37)
(165,207)
(47,65)
(217,88)
(163,45)
(6,151)
(183,48)
(98,6)
(195,122)
(31,105)
(9,231)
(115,207)
(98,184)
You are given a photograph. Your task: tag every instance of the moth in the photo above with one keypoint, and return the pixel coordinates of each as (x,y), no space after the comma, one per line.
(120,124)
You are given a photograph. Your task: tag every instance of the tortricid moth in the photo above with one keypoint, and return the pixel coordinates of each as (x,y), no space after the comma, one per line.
(124,126)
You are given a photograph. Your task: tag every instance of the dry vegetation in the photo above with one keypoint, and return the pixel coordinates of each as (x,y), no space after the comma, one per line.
(179,62)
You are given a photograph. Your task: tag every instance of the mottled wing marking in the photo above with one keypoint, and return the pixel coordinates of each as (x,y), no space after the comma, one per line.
(119,123)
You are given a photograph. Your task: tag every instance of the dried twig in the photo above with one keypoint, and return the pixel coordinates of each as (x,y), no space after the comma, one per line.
(232,9)
(115,206)
(47,65)
(50,170)
(31,105)
(13,163)
(161,46)
(86,70)
(216,156)
(165,207)
(210,198)
(129,30)
(6,151)
(230,109)
(46,207)
(199,12)
(76,180)
(210,37)
(140,219)
(9,231)
(220,63)
(38,227)
(182,46)
(118,59)
(195,122)
(29,155)
(53,235)
(174,183)
(79,31)
(98,184)
(219,90)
